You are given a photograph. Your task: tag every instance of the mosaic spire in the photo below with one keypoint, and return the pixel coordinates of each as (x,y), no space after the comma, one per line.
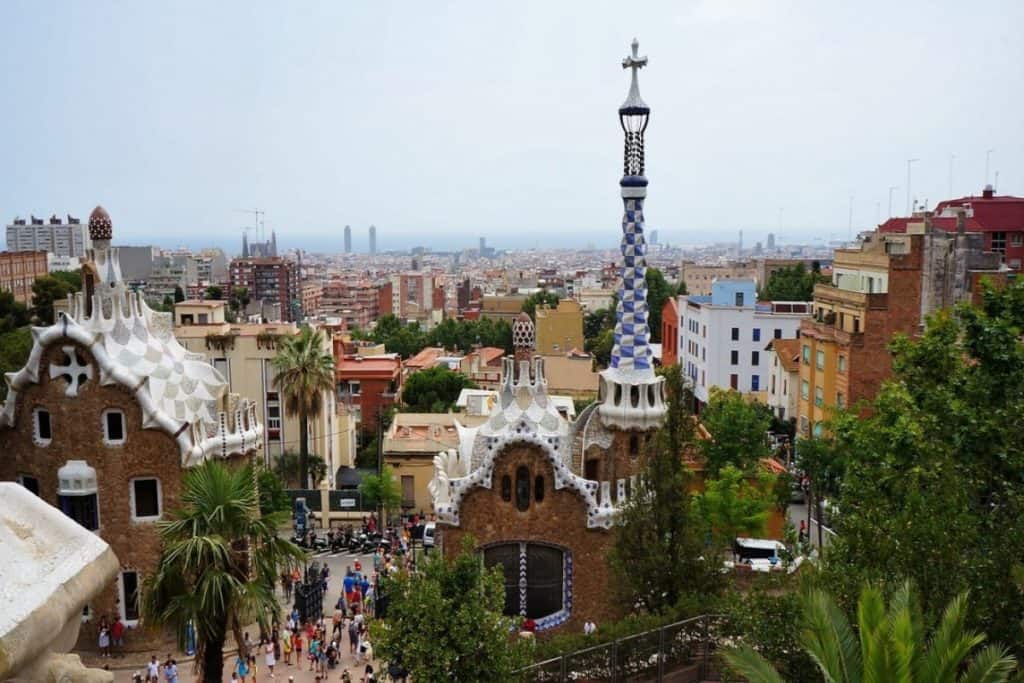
(632,349)
(632,396)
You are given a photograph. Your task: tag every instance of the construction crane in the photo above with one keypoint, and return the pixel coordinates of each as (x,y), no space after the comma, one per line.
(260,227)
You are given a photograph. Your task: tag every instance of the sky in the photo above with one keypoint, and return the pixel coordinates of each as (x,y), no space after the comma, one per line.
(442,122)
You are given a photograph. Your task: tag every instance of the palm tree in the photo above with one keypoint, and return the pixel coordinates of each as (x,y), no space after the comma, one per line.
(889,645)
(303,372)
(219,562)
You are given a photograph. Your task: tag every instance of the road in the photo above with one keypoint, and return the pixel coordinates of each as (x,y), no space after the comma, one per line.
(798,513)
(337,563)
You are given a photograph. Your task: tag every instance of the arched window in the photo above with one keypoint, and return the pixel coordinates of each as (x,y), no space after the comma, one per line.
(506,488)
(522,489)
(538,488)
(634,445)
(547,597)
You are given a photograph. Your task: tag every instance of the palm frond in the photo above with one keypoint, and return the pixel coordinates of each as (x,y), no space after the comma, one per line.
(991,665)
(749,663)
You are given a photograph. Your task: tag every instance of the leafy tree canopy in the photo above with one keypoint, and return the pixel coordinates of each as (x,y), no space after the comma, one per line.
(214,292)
(45,291)
(658,290)
(446,624)
(15,346)
(792,283)
(738,430)
(538,298)
(13,314)
(273,497)
(731,506)
(382,489)
(433,390)
(72,278)
(933,485)
(179,295)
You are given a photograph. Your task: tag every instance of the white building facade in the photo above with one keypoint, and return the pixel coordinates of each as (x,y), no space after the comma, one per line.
(722,336)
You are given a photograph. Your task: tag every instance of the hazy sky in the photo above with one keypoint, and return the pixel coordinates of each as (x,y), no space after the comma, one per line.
(440,122)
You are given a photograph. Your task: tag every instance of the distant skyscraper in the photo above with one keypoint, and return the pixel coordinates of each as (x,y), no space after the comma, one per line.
(771,241)
(348,239)
(373,240)
(739,245)
(654,236)
(483,246)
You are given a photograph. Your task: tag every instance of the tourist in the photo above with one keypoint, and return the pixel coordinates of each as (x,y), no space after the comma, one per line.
(241,667)
(297,646)
(314,651)
(171,671)
(346,677)
(368,677)
(336,619)
(104,638)
(117,636)
(153,670)
(286,647)
(270,658)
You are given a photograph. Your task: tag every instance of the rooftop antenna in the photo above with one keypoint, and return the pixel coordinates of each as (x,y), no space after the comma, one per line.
(891,188)
(259,213)
(995,185)
(910,162)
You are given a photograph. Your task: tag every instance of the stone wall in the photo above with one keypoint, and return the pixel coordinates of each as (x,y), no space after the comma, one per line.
(77,434)
(560,520)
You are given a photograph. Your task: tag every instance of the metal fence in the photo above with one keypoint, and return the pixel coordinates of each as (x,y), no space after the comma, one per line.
(680,652)
(340,500)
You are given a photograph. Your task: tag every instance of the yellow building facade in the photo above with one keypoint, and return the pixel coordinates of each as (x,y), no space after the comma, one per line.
(559,329)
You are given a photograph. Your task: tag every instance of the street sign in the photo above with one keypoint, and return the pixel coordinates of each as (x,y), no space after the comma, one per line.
(348,502)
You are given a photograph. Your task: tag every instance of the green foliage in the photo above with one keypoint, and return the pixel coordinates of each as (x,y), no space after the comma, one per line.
(368,453)
(13,314)
(220,560)
(600,348)
(45,291)
(445,623)
(15,346)
(272,494)
(464,335)
(304,374)
(658,290)
(179,295)
(382,490)
(286,467)
(596,322)
(792,283)
(738,428)
(433,390)
(72,278)
(732,506)
(889,644)
(933,477)
(656,556)
(214,292)
(538,298)
(239,299)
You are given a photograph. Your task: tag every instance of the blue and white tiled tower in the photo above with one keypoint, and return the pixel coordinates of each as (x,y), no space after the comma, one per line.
(632,396)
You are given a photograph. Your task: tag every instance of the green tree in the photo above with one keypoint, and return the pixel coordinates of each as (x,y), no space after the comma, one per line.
(738,431)
(214,292)
(731,506)
(792,283)
(382,490)
(304,373)
(13,314)
(434,390)
(179,295)
(273,497)
(445,623)
(538,298)
(889,644)
(658,290)
(45,291)
(933,482)
(15,347)
(239,299)
(286,467)
(72,278)
(220,561)
(601,348)
(596,322)
(656,555)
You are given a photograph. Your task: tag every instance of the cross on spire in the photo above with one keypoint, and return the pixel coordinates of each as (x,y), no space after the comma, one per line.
(635,61)
(634,103)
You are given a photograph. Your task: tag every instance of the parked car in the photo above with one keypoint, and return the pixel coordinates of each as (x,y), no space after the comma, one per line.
(429,535)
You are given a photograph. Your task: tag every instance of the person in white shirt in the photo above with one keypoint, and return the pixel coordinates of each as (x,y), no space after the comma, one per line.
(153,670)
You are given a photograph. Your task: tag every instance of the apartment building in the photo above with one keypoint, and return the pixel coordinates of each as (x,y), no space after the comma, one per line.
(19,269)
(559,329)
(272,280)
(55,236)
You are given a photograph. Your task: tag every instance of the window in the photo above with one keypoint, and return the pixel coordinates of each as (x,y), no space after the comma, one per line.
(778,333)
(113,427)
(804,425)
(755,358)
(29,482)
(755,382)
(354,388)
(634,445)
(522,489)
(841,364)
(221,366)
(840,401)
(129,604)
(702,378)
(591,469)
(77,493)
(735,334)
(819,397)
(541,569)
(538,488)
(145,499)
(999,242)
(819,360)
(734,381)
(506,488)
(734,358)
(807,354)
(805,390)
(1017,239)
(739,298)
(83,509)
(771,385)
(41,428)
(757,334)
(856,324)
(408,491)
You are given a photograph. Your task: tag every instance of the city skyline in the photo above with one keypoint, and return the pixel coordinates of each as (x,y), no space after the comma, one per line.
(487,121)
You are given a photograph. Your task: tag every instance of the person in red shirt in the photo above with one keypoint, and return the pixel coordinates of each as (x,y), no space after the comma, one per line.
(117,637)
